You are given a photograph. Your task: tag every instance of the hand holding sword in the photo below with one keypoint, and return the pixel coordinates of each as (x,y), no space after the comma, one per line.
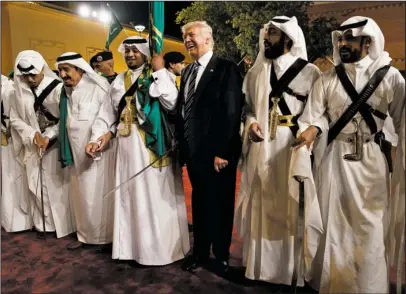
(306,138)
(98,146)
(41,143)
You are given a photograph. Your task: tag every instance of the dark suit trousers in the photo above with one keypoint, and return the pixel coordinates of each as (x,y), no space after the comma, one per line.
(212,207)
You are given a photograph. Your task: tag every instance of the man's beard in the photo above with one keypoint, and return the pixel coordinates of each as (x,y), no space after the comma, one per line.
(349,55)
(275,50)
(134,66)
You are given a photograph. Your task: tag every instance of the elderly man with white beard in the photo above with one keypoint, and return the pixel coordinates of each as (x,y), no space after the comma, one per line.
(34,115)
(266,213)
(150,223)
(353,177)
(81,97)
(15,210)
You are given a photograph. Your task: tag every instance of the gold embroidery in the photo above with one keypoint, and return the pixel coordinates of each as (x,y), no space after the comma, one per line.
(273,118)
(4,141)
(130,118)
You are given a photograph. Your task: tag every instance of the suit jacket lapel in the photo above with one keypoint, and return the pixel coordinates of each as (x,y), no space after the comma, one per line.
(206,77)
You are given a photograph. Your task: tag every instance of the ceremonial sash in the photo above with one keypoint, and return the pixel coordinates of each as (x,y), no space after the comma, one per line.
(65,150)
(39,100)
(359,101)
(282,85)
(158,137)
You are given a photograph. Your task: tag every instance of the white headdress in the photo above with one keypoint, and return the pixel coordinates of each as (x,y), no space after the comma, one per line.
(76,59)
(139,42)
(256,86)
(361,26)
(291,28)
(28,62)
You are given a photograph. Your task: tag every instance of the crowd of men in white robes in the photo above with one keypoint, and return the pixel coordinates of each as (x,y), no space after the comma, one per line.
(322,195)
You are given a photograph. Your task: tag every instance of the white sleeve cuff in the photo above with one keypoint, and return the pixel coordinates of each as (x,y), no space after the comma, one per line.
(31,137)
(251,120)
(51,134)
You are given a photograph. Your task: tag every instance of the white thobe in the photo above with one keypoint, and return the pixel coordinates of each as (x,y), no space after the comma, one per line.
(266,214)
(15,212)
(57,201)
(150,222)
(354,195)
(91,179)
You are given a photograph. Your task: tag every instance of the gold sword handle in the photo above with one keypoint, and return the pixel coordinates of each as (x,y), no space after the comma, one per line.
(126,118)
(273,118)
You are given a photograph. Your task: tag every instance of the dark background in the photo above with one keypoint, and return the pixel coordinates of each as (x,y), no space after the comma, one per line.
(134,11)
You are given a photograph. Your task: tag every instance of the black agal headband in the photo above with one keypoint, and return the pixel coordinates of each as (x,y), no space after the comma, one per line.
(353,25)
(68,57)
(280,20)
(134,41)
(25,69)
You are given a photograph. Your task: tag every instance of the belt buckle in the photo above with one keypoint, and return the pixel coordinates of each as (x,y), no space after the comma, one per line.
(286,120)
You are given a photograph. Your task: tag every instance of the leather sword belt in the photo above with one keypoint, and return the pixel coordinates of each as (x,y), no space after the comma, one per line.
(350,138)
(287,120)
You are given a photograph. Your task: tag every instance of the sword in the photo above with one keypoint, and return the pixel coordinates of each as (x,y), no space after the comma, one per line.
(298,248)
(41,154)
(142,170)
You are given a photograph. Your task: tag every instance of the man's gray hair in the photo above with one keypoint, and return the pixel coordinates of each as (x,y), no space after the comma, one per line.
(205,29)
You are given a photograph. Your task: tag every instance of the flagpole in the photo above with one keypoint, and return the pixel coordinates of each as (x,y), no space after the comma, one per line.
(111,9)
(151,50)
(108,30)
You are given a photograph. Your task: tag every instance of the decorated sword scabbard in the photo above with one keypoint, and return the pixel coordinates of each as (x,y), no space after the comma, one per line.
(359,144)
(126,118)
(273,118)
(4,141)
(359,141)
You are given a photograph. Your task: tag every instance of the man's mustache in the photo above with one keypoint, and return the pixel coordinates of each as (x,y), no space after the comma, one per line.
(346,49)
(267,44)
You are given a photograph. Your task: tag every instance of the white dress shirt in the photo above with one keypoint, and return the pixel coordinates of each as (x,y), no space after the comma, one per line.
(203,62)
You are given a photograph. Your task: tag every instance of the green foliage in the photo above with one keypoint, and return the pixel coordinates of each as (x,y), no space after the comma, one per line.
(236,25)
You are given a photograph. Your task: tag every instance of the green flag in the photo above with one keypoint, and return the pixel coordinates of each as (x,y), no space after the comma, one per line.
(115,29)
(157,21)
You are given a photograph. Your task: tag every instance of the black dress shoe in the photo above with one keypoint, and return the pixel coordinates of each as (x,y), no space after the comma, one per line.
(74,245)
(221,267)
(190,226)
(105,248)
(191,263)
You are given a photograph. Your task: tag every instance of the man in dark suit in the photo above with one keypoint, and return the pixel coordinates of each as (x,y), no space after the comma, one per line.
(207,130)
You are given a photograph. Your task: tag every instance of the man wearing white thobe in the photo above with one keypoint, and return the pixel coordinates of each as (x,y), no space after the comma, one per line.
(266,213)
(354,195)
(33,123)
(82,95)
(150,223)
(15,212)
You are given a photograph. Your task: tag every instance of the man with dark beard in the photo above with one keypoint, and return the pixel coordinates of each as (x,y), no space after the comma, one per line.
(276,90)
(353,177)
